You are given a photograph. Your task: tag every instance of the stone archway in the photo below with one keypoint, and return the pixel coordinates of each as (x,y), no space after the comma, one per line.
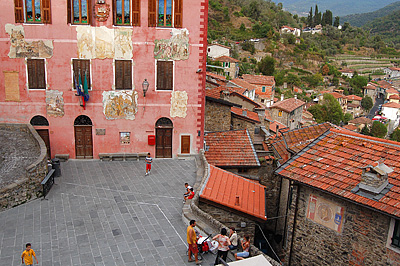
(41,124)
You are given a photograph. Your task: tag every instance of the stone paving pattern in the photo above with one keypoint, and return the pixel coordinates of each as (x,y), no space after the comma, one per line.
(104,213)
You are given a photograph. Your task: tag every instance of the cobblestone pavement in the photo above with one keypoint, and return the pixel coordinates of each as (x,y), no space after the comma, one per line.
(104,213)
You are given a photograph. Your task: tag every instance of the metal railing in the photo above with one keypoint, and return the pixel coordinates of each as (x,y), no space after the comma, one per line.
(48,182)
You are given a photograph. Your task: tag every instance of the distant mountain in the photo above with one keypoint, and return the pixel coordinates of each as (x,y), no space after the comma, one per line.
(338,7)
(386,27)
(360,20)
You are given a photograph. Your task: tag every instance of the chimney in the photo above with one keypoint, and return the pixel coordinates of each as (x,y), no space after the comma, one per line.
(374,178)
(277,130)
(237,203)
(295,97)
(282,97)
(224,94)
(244,112)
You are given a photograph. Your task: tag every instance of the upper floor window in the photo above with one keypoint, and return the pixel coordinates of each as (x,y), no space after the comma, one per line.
(81,72)
(126,12)
(165,13)
(78,11)
(280,113)
(165,75)
(32,11)
(36,73)
(123,74)
(263,88)
(396,234)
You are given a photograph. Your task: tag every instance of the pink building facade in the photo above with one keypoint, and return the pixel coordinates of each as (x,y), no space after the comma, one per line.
(52,50)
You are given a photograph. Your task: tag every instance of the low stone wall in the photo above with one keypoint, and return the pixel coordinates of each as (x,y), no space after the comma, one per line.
(214,224)
(26,187)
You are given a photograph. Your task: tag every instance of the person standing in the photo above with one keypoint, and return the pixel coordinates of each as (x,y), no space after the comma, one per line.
(223,245)
(192,242)
(233,237)
(148,160)
(28,254)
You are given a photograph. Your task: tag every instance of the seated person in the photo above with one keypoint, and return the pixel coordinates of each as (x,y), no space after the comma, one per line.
(246,247)
(187,190)
(191,194)
(233,237)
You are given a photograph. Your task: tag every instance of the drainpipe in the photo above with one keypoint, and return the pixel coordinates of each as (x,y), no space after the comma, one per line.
(294,224)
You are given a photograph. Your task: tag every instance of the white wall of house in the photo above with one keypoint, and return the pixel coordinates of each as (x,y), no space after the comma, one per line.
(215,51)
(391,113)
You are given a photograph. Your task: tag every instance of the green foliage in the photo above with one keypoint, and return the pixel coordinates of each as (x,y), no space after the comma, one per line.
(328,111)
(337,22)
(367,103)
(378,130)
(267,66)
(347,117)
(248,46)
(279,77)
(357,82)
(365,131)
(395,135)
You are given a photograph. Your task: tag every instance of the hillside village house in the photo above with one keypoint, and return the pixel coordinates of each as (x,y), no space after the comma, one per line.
(265,87)
(230,65)
(343,204)
(104,78)
(392,72)
(288,112)
(391,110)
(390,92)
(250,91)
(347,72)
(371,91)
(395,98)
(217,50)
(360,123)
(286,29)
(340,97)
(354,105)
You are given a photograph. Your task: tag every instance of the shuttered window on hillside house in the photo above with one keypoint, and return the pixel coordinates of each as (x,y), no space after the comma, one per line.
(135,12)
(36,73)
(165,75)
(123,74)
(81,67)
(36,11)
(79,11)
(165,13)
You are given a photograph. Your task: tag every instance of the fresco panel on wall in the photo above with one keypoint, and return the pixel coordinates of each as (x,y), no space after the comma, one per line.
(175,48)
(120,104)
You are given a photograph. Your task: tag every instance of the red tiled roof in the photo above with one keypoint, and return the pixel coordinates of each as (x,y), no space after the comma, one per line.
(351,127)
(391,105)
(394,68)
(391,90)
(259,79)
(361,120)
(217,44)
(370,87)
(347,70)
(394,96)
(244,84)
(287,27)
(230,148)
(354,105)
(336,95)
(267,94)
(238,90)
(214,92)
(225,58)
(353,98)
(249,114)
(272,126)
(216,76)
(384,83)
(335,161)
(235,192)
(288,105)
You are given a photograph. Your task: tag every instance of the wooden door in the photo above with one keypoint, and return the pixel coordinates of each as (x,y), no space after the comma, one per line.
(185,144)
(44,134)
(164,143)
(83,142)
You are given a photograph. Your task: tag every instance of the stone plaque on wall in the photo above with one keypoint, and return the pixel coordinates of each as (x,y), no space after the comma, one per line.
(100,131)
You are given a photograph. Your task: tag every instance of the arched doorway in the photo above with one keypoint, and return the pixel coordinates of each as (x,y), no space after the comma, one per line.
(41,121)
(164,138)
(83,137)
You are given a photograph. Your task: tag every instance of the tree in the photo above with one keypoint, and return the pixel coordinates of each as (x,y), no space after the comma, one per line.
(310,18)
(328,111)
(367,103)
(378,129)
(319,112)
(325,70)
(317,16)
(248,46)
(336,23)
(347,117)
(395,135)
(365,131)
(358,82)
(267,66)
(242,27)
(328,17)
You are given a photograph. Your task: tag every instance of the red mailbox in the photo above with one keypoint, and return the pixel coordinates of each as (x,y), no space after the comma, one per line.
(152,139)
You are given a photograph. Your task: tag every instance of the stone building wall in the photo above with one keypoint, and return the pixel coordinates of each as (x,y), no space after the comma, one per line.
(230,219)
(238,123)
(362,240)
(26,185)
(217,116)
(274,112)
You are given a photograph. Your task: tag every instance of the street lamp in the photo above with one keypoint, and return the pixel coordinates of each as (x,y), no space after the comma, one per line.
(145,86)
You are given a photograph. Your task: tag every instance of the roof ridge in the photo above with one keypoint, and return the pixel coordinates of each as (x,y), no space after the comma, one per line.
(360,136)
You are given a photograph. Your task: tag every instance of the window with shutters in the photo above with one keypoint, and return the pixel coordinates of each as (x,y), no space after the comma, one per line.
(32,11)
(80,70)
(126,12)
(165,75)
(165,13)
(123,74)
(36,74)
(79,11)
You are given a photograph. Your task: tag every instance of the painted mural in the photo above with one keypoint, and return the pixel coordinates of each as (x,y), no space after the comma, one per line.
(120,104)
(102,42)
(20,48)
(178,104)
(54,103)
(325,213)
(175,48)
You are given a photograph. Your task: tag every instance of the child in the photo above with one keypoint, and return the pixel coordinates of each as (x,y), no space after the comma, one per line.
(27,255)
(148,160)
(187,193)
(190,196)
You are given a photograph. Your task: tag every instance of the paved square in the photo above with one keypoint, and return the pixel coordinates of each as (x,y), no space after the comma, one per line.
(104,213)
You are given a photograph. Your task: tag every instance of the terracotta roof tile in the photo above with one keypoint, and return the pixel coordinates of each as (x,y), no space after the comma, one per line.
(336,95)
(225,58)
(216,76)
(288,105)
(259,79)
(348,148)
(351,127)
(231,148)
(245,114)
(353,98)
(361,120)
(370,87)
(394,97)
(274,124)
(391,105)
(216,93)
(235,192)
(244,84)
(392,90)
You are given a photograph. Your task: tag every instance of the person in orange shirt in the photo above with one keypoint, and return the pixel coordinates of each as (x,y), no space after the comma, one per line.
(192,242)
(28,254)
